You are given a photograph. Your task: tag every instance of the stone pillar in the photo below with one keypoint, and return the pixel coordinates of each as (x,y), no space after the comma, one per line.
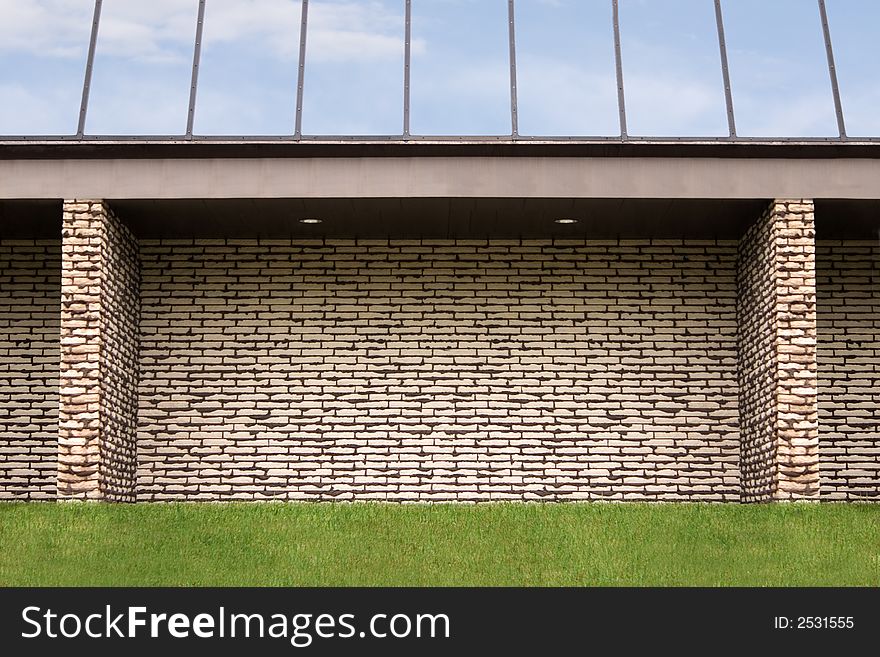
(779,419)
(100,309)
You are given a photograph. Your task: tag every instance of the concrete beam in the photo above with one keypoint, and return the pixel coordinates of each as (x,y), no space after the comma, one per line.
(427,177)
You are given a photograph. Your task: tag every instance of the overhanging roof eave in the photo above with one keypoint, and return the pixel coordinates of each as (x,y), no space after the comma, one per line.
(15,148)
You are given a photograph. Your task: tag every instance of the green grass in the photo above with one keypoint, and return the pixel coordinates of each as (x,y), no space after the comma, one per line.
(483,545)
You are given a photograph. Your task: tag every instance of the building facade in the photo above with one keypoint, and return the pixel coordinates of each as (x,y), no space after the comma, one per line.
(439,322)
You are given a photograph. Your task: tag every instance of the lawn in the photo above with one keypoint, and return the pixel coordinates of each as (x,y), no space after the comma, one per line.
(454,545)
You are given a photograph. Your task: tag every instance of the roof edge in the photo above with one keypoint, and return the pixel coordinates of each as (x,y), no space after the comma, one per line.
(259,147)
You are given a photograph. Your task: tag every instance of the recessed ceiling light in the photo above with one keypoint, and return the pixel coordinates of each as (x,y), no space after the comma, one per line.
(566,220)
(309,220)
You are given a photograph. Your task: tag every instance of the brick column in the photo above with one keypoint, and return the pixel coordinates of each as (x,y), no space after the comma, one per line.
(100,309)
(779,420)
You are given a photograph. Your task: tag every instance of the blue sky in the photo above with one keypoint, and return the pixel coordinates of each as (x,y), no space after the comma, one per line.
(460,67)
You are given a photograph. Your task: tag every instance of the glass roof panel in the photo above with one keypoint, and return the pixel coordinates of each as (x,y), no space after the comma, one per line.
(43,48)
(460,68)
(460,73)
(354,68)
(566,82)
(248,71)
(143,68)
(854,25)
(672,69)
(779,69)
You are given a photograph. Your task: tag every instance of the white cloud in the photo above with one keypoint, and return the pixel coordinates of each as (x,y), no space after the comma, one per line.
(257,24)
(164,30)
(355,30)
(155,31)
(53,28)
(338,31)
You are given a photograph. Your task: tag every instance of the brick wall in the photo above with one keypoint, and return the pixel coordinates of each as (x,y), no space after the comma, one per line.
(466,370)
(777,354)
(30,293)
(99,355)
(848,276)
(438,370)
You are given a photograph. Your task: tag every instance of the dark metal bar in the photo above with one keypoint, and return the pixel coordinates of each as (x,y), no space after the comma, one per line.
(768,142)
(832,70)
(407,58)
(304,27)
(618,59)
(90,62)
(725,71)
(197,56)
(511,31)
(741,147)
